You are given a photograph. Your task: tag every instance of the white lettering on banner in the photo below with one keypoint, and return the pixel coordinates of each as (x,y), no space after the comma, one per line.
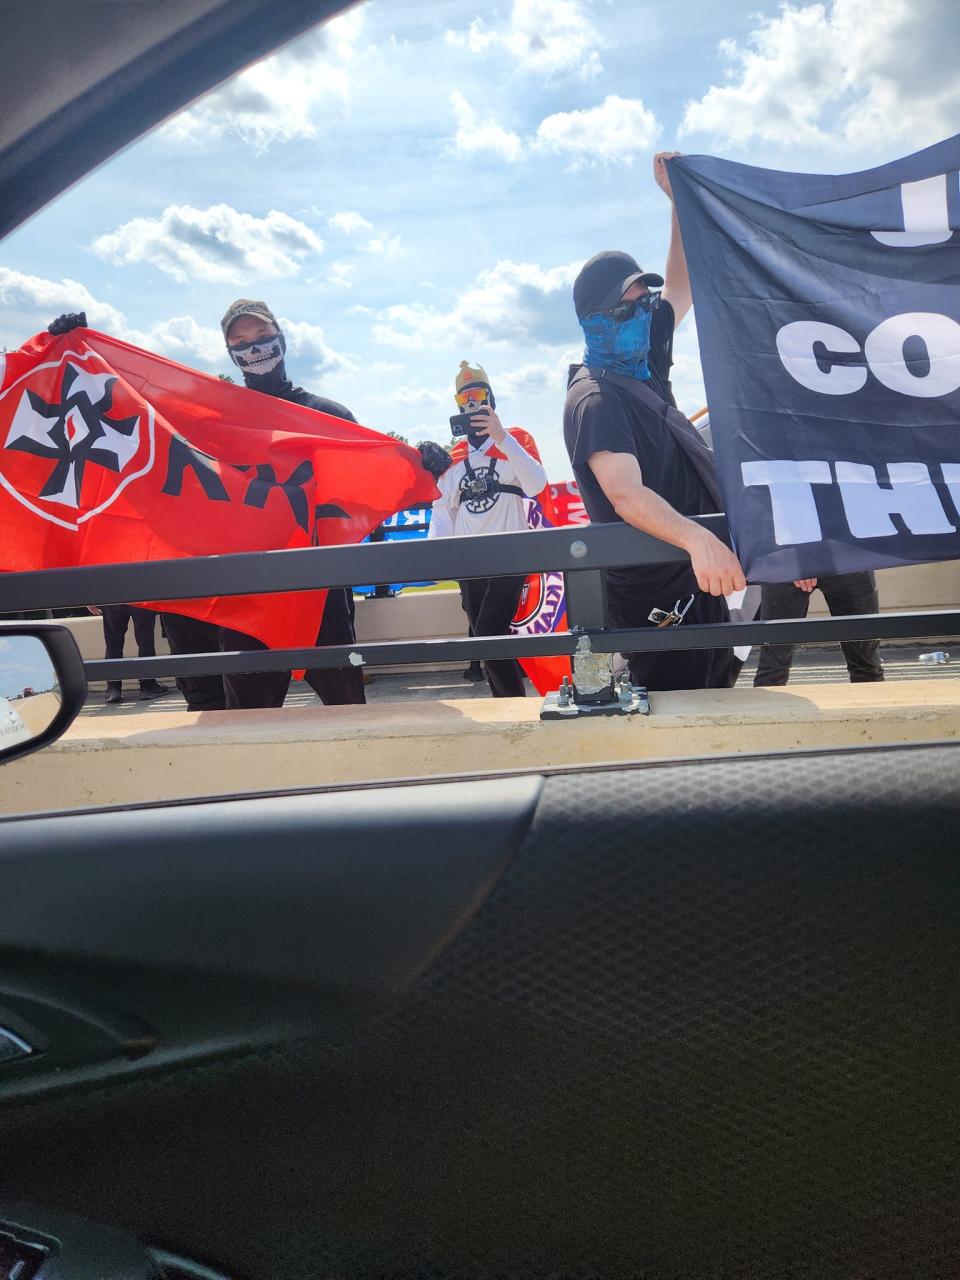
(866,504)
(911,495)
(795,345)
(926,217)
(951,478)
(795,517)
(884,352)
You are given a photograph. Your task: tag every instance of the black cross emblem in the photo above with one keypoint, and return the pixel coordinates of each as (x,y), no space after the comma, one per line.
(54,433)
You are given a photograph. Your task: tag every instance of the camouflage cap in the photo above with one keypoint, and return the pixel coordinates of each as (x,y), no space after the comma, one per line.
(247,307)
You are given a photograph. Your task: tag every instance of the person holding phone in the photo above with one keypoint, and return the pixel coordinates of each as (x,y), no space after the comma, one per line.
(483,491)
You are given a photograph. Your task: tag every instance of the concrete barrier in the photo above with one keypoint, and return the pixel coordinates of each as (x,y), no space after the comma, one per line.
(169,755)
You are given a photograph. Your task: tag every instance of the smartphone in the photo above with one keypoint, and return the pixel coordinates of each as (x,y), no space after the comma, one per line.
(460,423)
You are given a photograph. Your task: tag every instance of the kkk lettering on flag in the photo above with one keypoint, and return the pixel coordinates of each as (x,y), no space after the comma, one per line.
(828,314)
(109,454)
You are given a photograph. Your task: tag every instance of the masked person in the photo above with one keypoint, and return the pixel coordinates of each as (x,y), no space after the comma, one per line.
(256,345)
(484,493)
(638,460)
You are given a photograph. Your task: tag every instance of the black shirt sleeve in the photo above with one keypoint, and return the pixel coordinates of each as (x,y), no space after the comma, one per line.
(333,407)
(600,424)
(321,404)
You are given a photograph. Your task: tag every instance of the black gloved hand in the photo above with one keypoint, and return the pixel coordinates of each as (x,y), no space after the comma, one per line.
(64,323)
(434,457)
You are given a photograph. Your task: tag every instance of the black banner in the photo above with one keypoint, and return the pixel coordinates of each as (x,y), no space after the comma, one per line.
(828,313)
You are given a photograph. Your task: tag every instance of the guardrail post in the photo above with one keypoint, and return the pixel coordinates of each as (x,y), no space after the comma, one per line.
(586,594)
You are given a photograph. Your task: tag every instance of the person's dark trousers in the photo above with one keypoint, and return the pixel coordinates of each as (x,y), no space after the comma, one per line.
(490,605)
(247,690)
(190,635)
(116,619)
(845,593)
(337,686)
(629,605)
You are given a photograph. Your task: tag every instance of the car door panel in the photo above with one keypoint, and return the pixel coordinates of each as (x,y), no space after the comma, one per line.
(691,1019)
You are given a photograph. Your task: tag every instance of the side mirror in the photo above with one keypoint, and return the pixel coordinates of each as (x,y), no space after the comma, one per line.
(42,685)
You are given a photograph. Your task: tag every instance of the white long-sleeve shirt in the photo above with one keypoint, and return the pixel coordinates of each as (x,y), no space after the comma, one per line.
(498,513)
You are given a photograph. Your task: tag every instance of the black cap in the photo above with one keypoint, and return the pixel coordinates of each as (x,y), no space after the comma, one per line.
(604,280)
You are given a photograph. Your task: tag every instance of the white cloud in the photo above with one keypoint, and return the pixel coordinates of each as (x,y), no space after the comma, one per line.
(382,243)
(537,377)
(182,339)
(517,303)
(612,133)
(477,134)
(845,72)
(416,397)
(350,223)
(339,276)
(551,40)
(281,97)
(686,375)
(218,244)
(32,301)
(308,342)
(385,245)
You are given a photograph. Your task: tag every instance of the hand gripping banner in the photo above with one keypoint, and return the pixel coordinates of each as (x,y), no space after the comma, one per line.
(828,314)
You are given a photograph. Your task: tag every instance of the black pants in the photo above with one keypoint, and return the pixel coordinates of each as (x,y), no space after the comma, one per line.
(845,593)
(490,604)
(338,686)
(116,619)
(629,605)
(190,635)
(335,686)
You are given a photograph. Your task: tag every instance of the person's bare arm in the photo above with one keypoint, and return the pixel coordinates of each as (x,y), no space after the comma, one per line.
(676,277)
(715,567)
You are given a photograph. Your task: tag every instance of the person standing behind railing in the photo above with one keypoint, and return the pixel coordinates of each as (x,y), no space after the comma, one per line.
(116,619)
(484,492)
(845,594)
(637,459)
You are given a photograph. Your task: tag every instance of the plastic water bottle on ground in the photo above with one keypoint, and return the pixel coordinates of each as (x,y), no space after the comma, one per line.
(934,659)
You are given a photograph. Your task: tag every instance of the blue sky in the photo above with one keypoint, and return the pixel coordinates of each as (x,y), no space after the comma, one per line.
(418,182)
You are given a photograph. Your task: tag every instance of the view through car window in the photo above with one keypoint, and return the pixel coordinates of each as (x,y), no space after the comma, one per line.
(484,274)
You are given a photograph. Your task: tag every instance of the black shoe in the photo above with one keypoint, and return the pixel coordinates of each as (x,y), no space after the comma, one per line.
(114,693)
(474,672)
(153,689)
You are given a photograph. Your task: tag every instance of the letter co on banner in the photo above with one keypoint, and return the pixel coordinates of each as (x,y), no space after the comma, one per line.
(828,312)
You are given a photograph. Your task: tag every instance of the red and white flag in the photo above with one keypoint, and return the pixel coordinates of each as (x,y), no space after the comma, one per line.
(109,454)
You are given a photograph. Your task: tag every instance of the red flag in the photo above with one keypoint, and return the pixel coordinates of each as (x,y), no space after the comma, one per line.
(110,454)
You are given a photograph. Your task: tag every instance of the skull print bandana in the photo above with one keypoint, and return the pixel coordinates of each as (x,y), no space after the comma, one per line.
(257,359)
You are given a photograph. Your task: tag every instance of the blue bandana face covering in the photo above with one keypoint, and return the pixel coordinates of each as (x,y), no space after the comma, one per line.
(619,348)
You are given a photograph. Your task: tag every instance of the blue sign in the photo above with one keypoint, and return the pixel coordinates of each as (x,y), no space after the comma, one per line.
(400,527)
(828,314)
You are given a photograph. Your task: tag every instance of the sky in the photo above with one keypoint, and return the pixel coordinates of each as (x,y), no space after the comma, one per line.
(417,183)
(24,661)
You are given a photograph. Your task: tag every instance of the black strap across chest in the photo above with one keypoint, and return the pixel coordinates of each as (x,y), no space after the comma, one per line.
(489,474)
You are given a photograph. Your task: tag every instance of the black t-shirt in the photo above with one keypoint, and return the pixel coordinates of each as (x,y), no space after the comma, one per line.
(598,417)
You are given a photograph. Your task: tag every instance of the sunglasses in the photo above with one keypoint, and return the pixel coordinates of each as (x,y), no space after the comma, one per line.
(627,310)
(473,398)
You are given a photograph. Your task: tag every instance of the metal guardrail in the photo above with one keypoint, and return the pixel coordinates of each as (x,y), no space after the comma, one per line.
(582,553)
